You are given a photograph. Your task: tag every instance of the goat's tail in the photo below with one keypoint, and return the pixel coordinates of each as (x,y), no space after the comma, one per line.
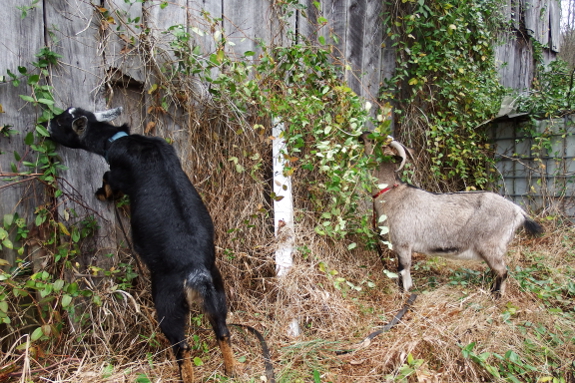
(532,227)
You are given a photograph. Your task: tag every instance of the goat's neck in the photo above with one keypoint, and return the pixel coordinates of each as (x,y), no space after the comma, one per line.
(99,141)
(386,174)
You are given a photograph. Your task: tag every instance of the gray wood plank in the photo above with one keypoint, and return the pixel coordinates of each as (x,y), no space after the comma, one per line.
(121,41)
(336,13)
(205,16)
(372,51)
(555,26)
(20,198)
(78,82)
(354,46)
(245,23)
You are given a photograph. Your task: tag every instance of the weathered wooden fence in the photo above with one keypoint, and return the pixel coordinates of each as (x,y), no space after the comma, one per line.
(108,60)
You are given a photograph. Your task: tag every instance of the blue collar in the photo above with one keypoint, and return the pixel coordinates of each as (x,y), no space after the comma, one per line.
(120,134)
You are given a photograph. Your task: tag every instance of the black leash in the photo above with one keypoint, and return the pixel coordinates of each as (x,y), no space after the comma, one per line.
(134,254)
(270,377)
(385,328)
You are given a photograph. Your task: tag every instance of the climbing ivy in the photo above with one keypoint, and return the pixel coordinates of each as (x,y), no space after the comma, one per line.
(299,86)
(553,90)
(446,85)
(35,297)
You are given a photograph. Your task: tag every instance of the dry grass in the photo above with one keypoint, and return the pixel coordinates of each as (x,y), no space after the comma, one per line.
(124,344)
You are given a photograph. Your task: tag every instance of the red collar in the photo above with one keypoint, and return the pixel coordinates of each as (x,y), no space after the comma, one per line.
(379,193)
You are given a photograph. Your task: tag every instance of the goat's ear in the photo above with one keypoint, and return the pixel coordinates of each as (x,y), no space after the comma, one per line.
(79,125)
(108,115)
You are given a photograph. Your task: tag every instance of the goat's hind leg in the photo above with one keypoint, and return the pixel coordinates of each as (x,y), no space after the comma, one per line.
(404,267)
(173,310)
(499,270)
(208,289)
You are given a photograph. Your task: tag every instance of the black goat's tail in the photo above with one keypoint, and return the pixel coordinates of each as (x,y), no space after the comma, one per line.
(532,227)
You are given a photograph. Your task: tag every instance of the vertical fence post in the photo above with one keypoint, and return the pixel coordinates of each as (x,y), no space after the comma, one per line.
(283,211)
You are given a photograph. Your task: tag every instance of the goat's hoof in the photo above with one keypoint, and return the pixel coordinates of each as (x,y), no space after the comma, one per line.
(105,193)
(100,194)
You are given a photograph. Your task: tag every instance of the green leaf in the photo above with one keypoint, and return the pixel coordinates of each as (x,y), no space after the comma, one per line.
(220,55)
(316,376)
(29,139)
(143,378)
(198,362)
(37,334)
(27,98)
(42,131)
(8,219)
(45,101)
(7,243)
(390,274)
(33,79)
(4,306)
(66,300)
(58,285)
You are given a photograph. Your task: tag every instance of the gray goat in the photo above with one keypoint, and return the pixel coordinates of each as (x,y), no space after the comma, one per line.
(466,225)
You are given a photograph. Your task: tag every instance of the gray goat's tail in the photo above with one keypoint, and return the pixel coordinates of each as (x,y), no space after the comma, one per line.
(532,227)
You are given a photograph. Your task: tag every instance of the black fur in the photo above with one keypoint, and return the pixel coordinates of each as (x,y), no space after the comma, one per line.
(171,228)
(532,227)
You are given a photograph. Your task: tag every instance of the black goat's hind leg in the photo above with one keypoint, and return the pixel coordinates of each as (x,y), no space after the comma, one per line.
(173,310)
(208,289)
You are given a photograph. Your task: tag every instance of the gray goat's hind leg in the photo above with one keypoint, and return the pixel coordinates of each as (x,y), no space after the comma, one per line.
(499,269)
(404,267)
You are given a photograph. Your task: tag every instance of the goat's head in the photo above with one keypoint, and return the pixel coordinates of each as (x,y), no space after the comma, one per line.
(390,147)
(72,127)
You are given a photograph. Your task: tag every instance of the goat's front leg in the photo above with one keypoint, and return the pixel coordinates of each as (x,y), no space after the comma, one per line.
(106,192)
(404,267)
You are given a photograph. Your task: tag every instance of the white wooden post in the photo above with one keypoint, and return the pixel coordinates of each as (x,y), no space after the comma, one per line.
(283,204)
(283,212)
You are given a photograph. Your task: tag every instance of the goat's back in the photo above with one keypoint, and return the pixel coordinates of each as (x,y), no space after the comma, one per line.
(167,213)
(450,222)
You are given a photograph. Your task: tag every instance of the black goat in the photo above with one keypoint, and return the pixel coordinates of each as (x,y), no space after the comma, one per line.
(172,230)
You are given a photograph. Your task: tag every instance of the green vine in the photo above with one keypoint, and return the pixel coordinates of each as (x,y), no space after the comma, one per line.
(301,87)
(34,297)
(553,91)
(446,85)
